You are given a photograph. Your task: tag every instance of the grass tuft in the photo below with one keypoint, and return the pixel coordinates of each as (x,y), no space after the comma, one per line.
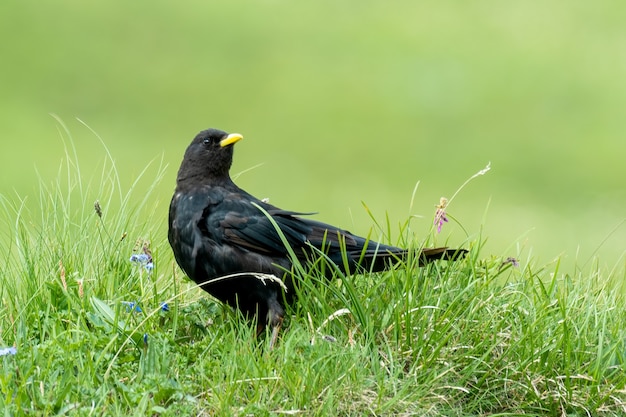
(486,335)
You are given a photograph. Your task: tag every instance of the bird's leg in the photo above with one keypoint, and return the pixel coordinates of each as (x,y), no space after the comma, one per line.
(259,328)
(275,331)
(275,316)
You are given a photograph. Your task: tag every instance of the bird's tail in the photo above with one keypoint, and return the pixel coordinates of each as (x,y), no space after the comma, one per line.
(378,260)
(428,255)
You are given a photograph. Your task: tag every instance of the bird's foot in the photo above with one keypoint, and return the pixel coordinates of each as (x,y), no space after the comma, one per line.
(275,331)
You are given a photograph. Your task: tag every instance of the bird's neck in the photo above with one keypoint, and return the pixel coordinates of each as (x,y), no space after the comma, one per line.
(191,179)
(196,171)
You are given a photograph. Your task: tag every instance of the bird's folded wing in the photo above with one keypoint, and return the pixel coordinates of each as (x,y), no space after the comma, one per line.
(255,231)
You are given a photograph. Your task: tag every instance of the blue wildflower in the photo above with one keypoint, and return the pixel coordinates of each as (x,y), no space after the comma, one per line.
(140,258)
(144,259)
(8,351)
(131,306)
(165,307)
(145,339)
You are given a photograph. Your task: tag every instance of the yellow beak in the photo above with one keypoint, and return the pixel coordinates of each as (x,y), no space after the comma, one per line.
(230,139)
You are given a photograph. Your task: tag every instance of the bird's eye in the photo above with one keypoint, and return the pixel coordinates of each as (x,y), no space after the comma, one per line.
(206,141)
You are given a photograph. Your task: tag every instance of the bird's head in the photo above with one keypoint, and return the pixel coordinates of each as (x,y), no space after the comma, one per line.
(209,157)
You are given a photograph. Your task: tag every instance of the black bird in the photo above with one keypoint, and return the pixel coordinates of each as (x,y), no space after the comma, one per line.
(216,230)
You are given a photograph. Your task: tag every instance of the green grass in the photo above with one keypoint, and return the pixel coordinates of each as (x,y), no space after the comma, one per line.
(476,337)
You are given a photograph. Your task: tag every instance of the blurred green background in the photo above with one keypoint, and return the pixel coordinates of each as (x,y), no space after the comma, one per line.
(342,102)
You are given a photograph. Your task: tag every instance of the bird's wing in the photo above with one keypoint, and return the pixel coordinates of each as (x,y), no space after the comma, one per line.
(256,231)
(252,230)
